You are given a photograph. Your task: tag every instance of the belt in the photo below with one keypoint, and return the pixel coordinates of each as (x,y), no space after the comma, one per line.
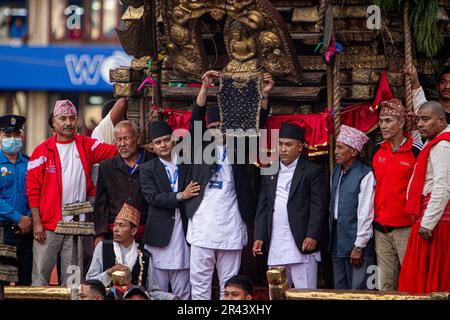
(9,226)
(4,224)
(385,229)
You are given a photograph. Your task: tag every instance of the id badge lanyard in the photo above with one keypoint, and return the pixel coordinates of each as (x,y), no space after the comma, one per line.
(175,177)
(215,183)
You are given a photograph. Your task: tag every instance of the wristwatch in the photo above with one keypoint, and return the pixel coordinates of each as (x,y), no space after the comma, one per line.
(180,196)
(358,249)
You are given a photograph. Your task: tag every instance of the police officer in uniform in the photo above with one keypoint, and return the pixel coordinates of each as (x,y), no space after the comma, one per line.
(15,214)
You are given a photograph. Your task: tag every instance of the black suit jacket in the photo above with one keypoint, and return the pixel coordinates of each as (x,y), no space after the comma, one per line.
(202,173)
(307,205)
(162,202)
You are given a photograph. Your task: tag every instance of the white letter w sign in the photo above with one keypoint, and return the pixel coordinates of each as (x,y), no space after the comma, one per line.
(84,69)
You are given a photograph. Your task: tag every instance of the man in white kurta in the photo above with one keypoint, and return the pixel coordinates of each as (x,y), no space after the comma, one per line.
(124,254)
(216,233)
(301,269)
(172,261)
(292,211)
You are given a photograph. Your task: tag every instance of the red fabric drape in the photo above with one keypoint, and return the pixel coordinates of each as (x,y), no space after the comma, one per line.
(177,118)
(317,127)
(364,116)
(314,127)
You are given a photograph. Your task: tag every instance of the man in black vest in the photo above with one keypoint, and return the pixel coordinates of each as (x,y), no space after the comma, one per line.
(217,228)
(292,212)
(123,254)
(351,212)
(163,182)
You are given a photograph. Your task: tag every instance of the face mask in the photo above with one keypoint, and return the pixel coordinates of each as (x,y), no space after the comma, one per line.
(12,145)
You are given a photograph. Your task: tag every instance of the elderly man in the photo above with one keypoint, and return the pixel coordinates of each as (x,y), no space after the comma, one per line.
(426,267)
(292,211)
(351,212)
(393,164)
(113,112)
(15,214)
(58,174)
(118,181)
(124,254)
(443,89)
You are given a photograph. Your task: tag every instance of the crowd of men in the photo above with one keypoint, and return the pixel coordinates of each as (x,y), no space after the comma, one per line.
(171,224)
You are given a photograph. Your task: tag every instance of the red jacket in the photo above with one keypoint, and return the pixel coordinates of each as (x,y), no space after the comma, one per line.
(392,172)
(44,177)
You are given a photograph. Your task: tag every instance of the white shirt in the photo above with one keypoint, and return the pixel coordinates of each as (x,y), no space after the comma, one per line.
(104,131)
(365,210)
(438,173)
(175,255)
(437,182)
(283,249)
(73,176)
(217,223)
(96,272)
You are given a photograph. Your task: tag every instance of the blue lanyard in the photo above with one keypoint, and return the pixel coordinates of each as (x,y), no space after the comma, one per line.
(175,178)
(219,166)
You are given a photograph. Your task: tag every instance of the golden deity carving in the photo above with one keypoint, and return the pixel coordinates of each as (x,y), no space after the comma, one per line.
(242,49)
(255,37)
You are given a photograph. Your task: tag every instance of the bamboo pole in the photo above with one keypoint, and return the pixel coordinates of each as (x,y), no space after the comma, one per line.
(325,23)
(336,97)
(408,59)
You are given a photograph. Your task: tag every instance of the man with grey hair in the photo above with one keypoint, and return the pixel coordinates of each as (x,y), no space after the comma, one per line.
(118,181)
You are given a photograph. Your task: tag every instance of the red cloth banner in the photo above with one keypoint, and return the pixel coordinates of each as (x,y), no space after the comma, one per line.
(317,126)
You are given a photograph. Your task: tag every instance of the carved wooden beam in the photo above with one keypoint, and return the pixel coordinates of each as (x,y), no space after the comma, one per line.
(299,294)
(285,93)
(37,293)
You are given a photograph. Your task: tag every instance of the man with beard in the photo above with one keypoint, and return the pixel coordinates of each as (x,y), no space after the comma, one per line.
(58,174)
(443,89)
(118,182)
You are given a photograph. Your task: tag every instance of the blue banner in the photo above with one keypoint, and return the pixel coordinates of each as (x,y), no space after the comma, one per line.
(59,68)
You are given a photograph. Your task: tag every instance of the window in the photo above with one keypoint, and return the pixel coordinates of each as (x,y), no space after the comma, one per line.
(83,20)
(13,22)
